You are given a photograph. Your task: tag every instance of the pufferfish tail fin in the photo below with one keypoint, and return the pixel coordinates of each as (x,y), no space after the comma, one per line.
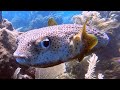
(51,22)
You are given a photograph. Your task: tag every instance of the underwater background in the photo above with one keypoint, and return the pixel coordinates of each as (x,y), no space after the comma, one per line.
(102,64)
(27,20)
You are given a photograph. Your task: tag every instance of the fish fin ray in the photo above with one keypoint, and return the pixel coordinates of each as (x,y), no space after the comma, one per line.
(51,22)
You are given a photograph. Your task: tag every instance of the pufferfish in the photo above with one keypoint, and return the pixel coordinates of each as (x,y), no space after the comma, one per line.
(56,44)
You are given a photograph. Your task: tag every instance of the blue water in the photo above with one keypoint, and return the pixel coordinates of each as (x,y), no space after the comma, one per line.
(37,19)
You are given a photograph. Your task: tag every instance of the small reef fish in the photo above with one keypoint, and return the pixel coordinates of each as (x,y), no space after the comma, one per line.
(56,44)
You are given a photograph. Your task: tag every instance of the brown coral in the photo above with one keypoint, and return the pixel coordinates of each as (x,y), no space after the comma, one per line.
(8,45)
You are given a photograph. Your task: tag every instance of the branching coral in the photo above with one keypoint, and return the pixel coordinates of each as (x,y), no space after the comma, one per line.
(17,71)
(100,76)
(91,68)
(18,75)
(97,21)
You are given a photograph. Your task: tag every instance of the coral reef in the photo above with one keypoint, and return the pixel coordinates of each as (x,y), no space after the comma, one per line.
(7,62)
(91,68)
(77,69)
(65,76)
(18,75)
(97,21)
(93,60)
(8,45)
(7,25)
(109,56)
(86,69)
(4,23)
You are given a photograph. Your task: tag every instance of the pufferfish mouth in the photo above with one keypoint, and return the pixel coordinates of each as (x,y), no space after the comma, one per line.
(22,61)
(25,62)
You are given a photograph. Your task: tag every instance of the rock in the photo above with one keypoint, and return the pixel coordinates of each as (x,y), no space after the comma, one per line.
(109,54)
(24,74)
(77,69)
(7,47)
(113,73)
(6,24)
(107,65)
(65,76)
(8,65)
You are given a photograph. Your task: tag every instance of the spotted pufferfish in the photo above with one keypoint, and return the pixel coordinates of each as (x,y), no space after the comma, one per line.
(56,44)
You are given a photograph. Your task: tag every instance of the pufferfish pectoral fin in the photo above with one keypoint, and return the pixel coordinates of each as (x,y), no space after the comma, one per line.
(89,41)
(51,22)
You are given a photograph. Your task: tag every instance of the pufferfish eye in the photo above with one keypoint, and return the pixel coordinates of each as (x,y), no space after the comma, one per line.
(44,43)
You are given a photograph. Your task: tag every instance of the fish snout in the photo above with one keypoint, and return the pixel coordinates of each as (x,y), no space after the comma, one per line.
(19,55)
(21,58)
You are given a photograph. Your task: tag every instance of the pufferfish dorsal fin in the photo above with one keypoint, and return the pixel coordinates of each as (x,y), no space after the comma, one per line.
(51,22)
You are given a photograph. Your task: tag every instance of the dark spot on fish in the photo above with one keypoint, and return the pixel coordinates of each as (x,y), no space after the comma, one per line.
(67,54)
(34,58)
(4,56)
(0,52)
(95,34)
(94,29)
(47,58)
(99,33)
(65,47)
(77,43)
